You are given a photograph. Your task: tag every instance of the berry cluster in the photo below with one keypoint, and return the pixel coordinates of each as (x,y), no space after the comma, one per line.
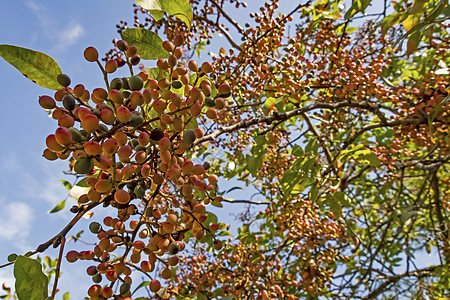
(133,144)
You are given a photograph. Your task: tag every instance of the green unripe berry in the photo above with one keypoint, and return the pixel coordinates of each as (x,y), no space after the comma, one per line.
(68,102)
(139,191)
(84,165)
(140,148)
(136,120)
(116,83)
(95,227)
(63,80)
(97,278)
(136,83)
(77,137)
(210,101)
(206,165)
(134,143)
(125,83)
(124,288)
(176,84)
(189,136)
(174,248)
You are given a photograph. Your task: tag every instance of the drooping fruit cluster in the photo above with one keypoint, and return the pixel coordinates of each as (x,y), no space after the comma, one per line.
(131,145)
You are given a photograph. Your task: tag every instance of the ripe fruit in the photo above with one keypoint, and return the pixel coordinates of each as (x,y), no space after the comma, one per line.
(111,66)
(123,114)
(63,80)
(193,66)
(122,196)
(166,273)
(91,54)
(72,256)
(155,285)
(122,45)
(92,148)
(84,165)
(189,136)
(116,96)
(63,136)
(49,154)
(47,102)
(207,67)
(178,40)
(90,123)
(168,46)
(107,116)
(66,121)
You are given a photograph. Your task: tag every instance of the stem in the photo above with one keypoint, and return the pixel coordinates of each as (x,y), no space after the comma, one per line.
(58,267)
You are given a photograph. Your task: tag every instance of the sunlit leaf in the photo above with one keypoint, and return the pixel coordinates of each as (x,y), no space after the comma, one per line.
(36,66)
(177,8)
(67,184)
(58,207)
(31,282)
(148,43)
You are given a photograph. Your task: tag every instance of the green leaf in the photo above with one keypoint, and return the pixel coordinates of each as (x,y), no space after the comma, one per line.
(67,184)
(413,42)
(192,124)
(58,207)
(66,296)
(36,66)
(216,204)
(82,183)
(155,73)
(373,160)
(177,8)
(390,21)
(148,43)
(31,283)
(144,283)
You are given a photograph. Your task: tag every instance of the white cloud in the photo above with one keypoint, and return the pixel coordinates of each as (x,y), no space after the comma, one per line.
(16,223)
(69,35)
(61,34)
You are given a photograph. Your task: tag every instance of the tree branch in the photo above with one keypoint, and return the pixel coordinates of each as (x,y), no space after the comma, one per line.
(299,111)
(395,278)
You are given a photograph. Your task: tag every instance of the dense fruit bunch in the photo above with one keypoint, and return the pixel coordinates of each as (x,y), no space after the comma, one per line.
(131,144)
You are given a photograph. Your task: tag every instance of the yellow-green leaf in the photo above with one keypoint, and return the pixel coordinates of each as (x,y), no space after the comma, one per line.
(36,66)
(58,207)
(31,283)
(148,43)
(177,8)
